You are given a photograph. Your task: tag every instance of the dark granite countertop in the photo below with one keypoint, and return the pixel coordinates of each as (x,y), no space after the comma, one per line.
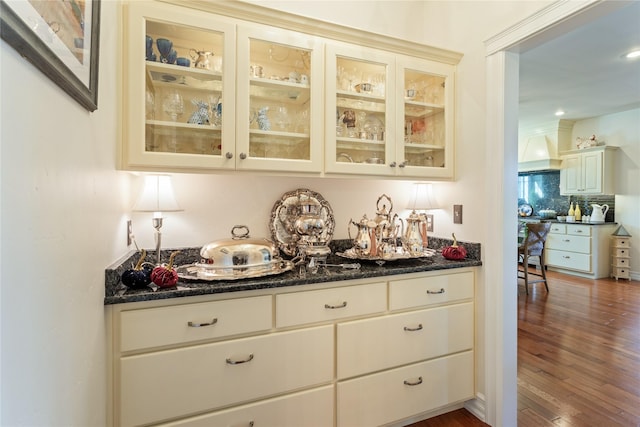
(117,293)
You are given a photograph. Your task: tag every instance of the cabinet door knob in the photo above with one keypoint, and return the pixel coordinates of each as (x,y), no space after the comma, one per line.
(200,325)
(403,164)
(243,156)
(392,164)
(229,155)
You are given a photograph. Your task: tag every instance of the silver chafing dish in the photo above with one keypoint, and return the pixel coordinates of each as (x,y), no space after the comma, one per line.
(239,257)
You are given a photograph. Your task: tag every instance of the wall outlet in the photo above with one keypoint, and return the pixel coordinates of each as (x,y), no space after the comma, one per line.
(457,214)
(429,222)
(129,232)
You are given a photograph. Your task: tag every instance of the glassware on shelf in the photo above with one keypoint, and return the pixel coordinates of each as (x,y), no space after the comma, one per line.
(173,105)
(150,105)
(165,46)
(282,119)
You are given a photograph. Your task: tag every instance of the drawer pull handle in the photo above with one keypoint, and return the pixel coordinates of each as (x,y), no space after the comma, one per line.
(414,382)
(238,362)
(441,291)
(418,328)
(333,307)
(200,325)
(567,240)
(566,257)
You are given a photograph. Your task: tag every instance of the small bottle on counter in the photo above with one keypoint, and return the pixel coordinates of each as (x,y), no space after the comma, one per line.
(571,211)
(577,213)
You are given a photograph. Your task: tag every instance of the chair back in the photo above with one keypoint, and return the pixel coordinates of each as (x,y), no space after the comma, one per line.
(533,244)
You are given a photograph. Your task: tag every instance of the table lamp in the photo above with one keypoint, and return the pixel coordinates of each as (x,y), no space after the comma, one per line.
(157,196)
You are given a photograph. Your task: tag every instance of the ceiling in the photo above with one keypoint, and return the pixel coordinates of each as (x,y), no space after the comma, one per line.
(583,72)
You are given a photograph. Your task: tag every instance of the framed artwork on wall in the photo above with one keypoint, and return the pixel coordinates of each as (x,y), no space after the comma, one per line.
(61,38)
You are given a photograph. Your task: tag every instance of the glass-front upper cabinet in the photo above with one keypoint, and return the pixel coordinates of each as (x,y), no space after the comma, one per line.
(179,88)
(280,89)
(424,94)
(359,113)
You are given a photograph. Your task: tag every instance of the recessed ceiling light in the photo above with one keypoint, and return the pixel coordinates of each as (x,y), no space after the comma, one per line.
(633,54)
(559,113)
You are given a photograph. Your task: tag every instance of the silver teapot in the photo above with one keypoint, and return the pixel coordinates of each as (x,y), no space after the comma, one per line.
(366,242)
(414,239)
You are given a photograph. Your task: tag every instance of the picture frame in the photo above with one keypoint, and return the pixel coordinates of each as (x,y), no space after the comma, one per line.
(59,37)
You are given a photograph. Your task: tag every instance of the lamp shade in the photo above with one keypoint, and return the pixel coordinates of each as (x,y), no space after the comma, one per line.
(422,198)
(157,195)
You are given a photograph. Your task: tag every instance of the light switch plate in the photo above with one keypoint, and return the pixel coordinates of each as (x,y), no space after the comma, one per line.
(457,214)
(129,232)
(429,222)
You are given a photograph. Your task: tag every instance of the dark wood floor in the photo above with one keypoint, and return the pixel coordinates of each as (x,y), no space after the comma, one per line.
(578,356)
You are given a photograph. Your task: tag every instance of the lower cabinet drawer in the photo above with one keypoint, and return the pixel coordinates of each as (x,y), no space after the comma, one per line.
(569,260)
(312,408)
(403,392)
(159,326)
(370,345)
(431,290)
(565,242)
(322,305)
(177,383)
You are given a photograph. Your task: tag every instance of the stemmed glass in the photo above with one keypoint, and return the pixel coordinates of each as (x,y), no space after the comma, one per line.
(165,47)
(173,105)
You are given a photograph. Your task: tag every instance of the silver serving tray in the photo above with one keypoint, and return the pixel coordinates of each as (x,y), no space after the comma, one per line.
(209,272)
(352,254)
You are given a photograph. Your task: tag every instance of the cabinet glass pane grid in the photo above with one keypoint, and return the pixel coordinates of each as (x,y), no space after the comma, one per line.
(183,103)
(360,111)
(279,101)
(424,119)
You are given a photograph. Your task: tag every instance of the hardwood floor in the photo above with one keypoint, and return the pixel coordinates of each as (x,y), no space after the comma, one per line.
(578,356)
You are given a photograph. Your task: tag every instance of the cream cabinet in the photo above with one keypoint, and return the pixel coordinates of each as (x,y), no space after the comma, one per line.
(206,87)
(327,354)
(161,96)
(588,171)
(579,249)
(245,98)
(388,114)
(279,100)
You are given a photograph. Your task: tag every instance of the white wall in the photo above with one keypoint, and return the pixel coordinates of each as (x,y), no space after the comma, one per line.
(64,205)
(621,130)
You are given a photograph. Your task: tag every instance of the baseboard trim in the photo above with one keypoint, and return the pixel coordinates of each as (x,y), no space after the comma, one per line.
(477,407)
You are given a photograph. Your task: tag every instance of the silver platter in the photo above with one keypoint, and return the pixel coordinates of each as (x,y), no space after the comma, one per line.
(284,214)
(208,272)
(398,255)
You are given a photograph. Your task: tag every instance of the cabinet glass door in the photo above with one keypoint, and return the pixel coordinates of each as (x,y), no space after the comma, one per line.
(359,112)
(424,99)
(176,88)
(279,101)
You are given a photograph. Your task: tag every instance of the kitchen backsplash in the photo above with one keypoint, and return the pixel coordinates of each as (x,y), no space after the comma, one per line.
(542,191)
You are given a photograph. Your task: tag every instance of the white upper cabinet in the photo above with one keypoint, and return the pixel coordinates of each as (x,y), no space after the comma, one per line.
(588,171)
(393,114)
(359,113)
(424,96)
(206,87)
(279,100)
(177,116)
